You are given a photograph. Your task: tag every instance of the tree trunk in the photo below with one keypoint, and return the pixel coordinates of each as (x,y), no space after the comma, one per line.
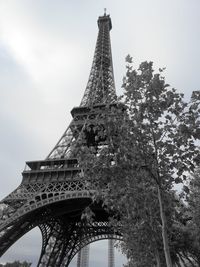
(157,256)
(164,230)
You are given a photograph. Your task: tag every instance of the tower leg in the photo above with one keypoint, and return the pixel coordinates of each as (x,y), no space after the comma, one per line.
(58,244)
(52,245)
(79,259)
(83,257)
(111,256)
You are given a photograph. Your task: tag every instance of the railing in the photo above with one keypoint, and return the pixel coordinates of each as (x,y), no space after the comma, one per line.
(51,164)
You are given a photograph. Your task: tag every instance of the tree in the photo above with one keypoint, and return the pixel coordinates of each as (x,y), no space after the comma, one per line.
(150,147)
(194,197)
(194,206)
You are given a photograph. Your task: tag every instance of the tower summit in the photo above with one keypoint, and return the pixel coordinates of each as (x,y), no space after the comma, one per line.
(101,86)
(54,193)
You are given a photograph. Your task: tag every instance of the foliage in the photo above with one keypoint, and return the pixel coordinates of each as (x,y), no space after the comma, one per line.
(16,264)
(194,197)
(194,206)
(150,148)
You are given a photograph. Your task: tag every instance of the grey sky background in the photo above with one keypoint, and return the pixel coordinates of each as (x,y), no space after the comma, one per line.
(46,51)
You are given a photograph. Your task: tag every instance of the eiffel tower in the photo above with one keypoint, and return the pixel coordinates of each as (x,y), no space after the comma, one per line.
(54,193)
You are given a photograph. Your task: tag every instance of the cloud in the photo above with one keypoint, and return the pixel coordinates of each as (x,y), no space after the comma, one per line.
(46,50)
(45,55)
(42,70)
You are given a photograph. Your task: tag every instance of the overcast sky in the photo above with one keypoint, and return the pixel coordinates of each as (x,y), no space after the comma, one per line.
(46,51)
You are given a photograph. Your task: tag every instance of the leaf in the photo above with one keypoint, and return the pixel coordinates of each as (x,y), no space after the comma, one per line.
(186,189)
(195,95)
(178,180)
(129,59)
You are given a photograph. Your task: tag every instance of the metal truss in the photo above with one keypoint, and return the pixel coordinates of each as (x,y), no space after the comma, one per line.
(83,257)
(111,255)
(84,120)
(61,243)
(63,147)
(100,88)
(63,236)
(66,146)
(22,208)
(27,198)
(54,192)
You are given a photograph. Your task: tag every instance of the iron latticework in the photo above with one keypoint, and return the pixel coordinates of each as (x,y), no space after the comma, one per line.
(100,89)
(111,255)
(101,86)
(54,192)
(83,257)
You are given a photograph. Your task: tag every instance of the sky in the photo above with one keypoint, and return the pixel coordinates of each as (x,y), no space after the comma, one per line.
(46,51)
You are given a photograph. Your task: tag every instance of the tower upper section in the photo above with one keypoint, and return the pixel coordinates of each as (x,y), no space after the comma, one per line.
(100,91)
(100,88)
(104,19)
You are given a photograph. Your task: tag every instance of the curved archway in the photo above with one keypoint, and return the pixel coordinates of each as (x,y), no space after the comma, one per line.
(98,255)
(61,226)
(29,246)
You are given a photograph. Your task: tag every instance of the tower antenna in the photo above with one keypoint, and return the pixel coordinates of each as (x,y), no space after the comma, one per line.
(104,11)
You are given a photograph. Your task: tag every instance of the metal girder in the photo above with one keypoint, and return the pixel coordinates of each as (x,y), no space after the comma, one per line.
(54,192)
(101,86)
(83,257)
(63,231)
(100,89)
(111,256)
(62,242)
(53,207)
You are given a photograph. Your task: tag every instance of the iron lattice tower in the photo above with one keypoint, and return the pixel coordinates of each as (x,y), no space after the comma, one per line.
(83,257)
(54,192)
(111,258)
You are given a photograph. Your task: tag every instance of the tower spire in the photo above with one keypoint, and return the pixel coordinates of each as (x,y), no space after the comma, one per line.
(100,88)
